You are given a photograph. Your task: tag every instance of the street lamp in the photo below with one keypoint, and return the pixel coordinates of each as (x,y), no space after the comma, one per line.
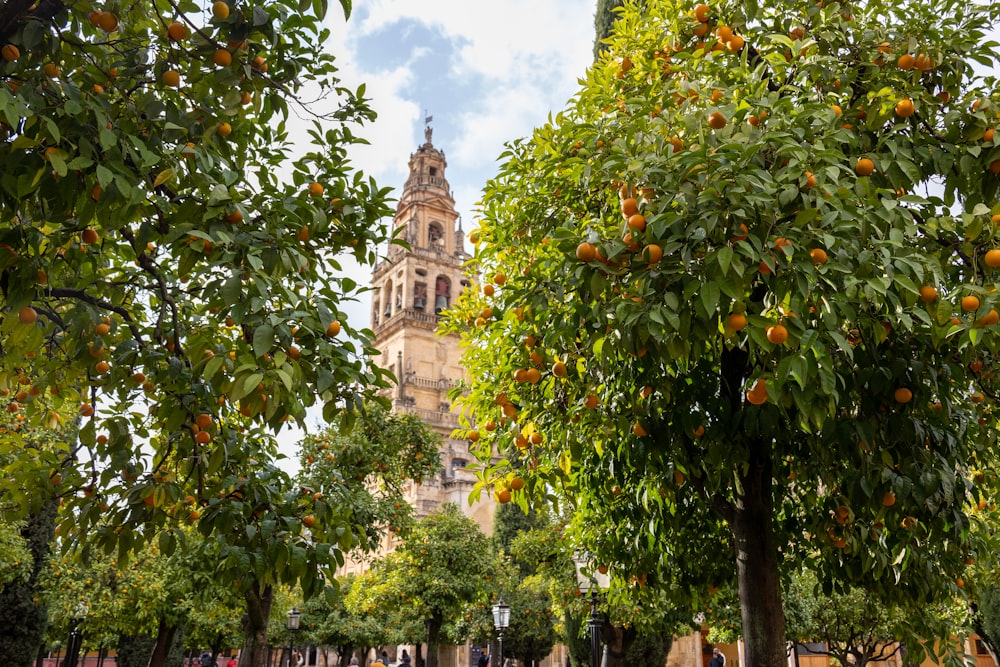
(591,581)
(75,634)
(292,623)
(501,619)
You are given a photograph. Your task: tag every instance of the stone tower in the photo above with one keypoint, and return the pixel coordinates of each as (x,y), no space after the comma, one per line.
(411,287)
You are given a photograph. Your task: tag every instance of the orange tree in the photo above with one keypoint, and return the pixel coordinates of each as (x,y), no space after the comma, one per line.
(743,306)
(158,281)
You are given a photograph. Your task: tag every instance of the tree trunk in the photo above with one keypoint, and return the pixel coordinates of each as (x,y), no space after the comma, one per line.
(757,563)
(255,653)
(433,635)
(164,639)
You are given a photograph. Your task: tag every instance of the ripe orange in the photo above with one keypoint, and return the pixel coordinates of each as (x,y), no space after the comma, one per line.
(316,189)
(308,521)
(27,315)
(716,120)
(202,437)
(904,108)
(757,395)
(224,129)
(970,303)
(637,222)
(503,496)
(701,13)
(995,166)
(516,484)
(500,279)
(333,328)
(222,58)
(102,367)
(652,253)
(532,376)
(724,33)
(988,134)
(10,52)
(818,256)
(86,410)
(928,294)
(903,395)
(810,180)
(259,64)
(585,252)
(89,236)
(629,207)
(246,97)
(536,438)
(736,322)
(220,10)
(889,499)
(736,43)
(51,70)
(590,401)
(864,167)
(992,258)
(204,420)
(177,31)
(989,319)
(906,61)
(639,430)
(777,334)
(171,78)
(559,369)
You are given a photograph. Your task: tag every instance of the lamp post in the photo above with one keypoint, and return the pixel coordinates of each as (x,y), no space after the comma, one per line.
(292,623)
(75,634)
(592,581)
(501,619)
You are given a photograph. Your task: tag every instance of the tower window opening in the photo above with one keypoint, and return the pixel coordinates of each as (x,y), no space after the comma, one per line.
(433,171)
(419,296)
(442,294)
(435,235)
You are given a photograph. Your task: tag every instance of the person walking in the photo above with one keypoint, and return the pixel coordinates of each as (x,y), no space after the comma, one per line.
(404,659)
(718,658)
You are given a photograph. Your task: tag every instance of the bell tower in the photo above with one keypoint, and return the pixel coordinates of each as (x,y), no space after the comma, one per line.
(410,289)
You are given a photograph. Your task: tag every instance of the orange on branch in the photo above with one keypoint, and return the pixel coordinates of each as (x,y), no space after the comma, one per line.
(27,315)
(629,207)
(171,78)
(220,10)
(903,395)
(177,32)
(928,294)
(904,108)
(777,334)
(992,258)
(586,252)
(970,303)
(864,167)
(222,57)
(736,322)
(716,120)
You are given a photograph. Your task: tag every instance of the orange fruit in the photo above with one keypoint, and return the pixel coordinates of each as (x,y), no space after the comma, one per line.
(818,256)
(989,319)
(637,222)
(222,58)
(716,120)
(89,236)
(108,22)
(259,64)
(724,33)
(503,496)
(810,180)
(586,252)
(864,167)
(220,10)
(171,78)
(204,420)
(234,217)
(970,303)
(316,189)
(516,484)
(757,395)
(995,166)
(944,96)
(903,395)
(653,253)
(777,334)
(224,129)
(102,367)
(988,134)
(992,258)
(333,328)
(308,521)
(928,294)
(202,437)
(177,31)
(590,401)
(736,43)
(246,97)
(533,375)
(889,499)
(629,207)
(639,430)
(701,13)
(736,322)
(559,369)
(86,410)
(27,315)
(906,61)
(904,108)
(500,279)
(10,52)
(51,70)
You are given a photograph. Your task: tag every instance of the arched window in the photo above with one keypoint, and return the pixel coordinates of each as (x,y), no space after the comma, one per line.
(442,294)
(388,299)
(375,312)
(419,296)
(435,234)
